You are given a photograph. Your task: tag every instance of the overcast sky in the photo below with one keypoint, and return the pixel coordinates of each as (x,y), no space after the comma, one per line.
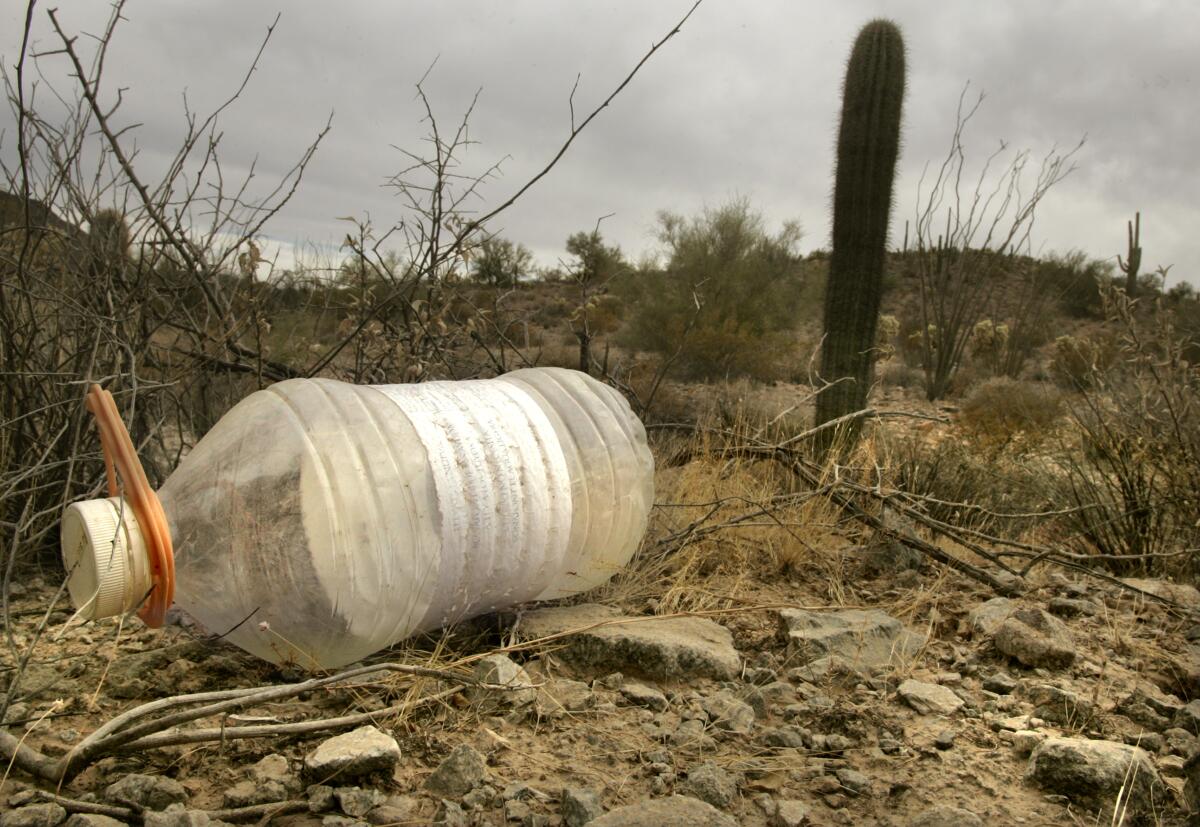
(744,101)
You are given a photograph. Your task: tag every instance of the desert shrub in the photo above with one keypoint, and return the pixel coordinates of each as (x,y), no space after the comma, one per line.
(726,292)
(989,342)
(1002,410)
(1075,280)
(899,375)
(1134,476)
(961,485)
(1079,361)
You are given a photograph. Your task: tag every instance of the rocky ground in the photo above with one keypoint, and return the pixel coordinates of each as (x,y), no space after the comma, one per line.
(1050,708)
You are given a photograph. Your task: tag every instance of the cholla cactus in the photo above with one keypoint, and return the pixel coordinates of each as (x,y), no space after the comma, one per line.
(886,332)
(989,343)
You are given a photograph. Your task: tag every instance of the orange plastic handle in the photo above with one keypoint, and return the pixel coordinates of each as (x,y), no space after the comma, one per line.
(119,452)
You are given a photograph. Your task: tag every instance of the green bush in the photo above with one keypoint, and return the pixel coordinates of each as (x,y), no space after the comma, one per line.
(727,292)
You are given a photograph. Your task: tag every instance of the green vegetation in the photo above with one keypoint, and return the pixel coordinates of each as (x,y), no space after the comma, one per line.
(724,300)
(867,148)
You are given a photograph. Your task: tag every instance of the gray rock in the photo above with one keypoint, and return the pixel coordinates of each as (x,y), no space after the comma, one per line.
(246,793)
(561,696)
(46,814)
(987,617)
(1092,773)
(320,798)
(275,769)
(859,639)
(1025,741)
(459,772)
(1035,638)
(789,813)
(1060,706)
(691,734)
(641,694)
(335,820)
(1181,742)
(930,698)
(854,781)
(1187,717)
(1180,593)
(580,806)
(784,737)
(178,816)
(508,683)
(1191,785)
(360,752)
(357,802)
(676,648)
(92,820)
(728,713)
(710,783)
(150,792)
(398,809)
(1070,607)
(450,814)
(946,816)
(675,811)
(1001,683)
(944,739)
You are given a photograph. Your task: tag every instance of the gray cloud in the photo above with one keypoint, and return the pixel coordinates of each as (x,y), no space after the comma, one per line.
(744,101)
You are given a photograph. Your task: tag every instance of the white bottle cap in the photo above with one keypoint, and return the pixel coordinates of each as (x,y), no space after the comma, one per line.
(108,570)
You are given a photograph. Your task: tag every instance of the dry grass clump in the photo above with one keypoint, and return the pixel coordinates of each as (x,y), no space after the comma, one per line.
(1003,410)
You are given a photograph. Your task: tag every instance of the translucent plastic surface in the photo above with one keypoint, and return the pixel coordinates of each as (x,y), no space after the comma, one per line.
(326,521)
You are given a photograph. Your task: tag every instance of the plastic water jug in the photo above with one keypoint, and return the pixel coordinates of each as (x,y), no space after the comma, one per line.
(318,521)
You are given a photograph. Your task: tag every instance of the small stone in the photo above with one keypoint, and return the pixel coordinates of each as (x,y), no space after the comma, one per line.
(562,696)
(92,820)
(1171,766)
(1024,741)
(930,698)
(450,814)
(47,814)
(1000,683)
(1060,706)
(691,734)
(986,618)
(1181,742)
(1068,607)
(946,816)
(826,785)
(944,739)
(1035,638)
(178,816)
(458,773)
(1151,742)
(357,802)
(728,713)
(580,806)
(360,752)
(641,694)
(397,809)
(150,792)
(320,798)
(515,810)
(1187,717)
(854,781)
(785,737)
(710,783)
(509,683)
(790,813)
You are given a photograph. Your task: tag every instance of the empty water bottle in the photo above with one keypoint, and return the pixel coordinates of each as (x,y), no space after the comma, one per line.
(318,521)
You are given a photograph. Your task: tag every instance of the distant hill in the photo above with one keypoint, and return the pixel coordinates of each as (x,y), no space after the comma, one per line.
(12,214)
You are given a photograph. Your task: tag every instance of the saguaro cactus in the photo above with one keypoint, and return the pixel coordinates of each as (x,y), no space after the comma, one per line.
(1130,265)
(867,148)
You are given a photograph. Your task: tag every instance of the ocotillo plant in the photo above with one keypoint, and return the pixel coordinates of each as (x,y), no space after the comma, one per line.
(867,147)
(1133,263)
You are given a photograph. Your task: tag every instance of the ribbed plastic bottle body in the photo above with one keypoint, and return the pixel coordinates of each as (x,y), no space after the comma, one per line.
(322,521)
